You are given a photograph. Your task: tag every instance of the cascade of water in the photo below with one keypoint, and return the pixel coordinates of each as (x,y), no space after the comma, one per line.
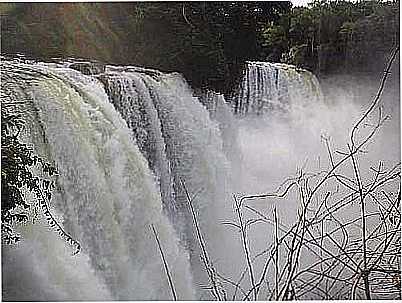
(186,145)
(275,87)
(123,139)
(107,197)
(221,112)
(132,99)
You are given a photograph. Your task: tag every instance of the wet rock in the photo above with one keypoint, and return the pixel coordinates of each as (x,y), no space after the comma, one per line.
(88,68)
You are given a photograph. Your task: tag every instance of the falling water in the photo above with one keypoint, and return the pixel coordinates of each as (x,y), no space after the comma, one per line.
(107,198)
(182,144)
(275,87)
(126,140)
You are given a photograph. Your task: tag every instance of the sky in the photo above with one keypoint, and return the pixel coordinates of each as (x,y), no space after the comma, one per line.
(300,2)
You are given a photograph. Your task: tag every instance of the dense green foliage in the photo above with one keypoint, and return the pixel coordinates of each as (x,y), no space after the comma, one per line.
(337,36)
(208,42)
(17,161)
(23,172)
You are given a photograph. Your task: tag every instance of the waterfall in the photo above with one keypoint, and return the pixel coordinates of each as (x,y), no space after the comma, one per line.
(126,140)
(182,144)
(275,87)
(107,199)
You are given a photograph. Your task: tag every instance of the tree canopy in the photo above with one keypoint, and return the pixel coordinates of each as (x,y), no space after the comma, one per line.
(208,42)
(338,36)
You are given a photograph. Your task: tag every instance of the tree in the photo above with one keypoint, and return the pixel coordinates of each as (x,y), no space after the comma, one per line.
(208,42)
(341,36)
(18,162)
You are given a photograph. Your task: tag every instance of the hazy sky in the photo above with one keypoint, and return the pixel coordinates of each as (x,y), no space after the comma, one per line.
(300,2)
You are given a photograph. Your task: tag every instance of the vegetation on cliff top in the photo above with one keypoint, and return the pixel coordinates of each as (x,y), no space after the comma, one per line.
(208,42)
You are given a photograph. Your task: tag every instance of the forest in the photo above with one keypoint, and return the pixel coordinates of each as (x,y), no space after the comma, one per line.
(205,41)
(200,150)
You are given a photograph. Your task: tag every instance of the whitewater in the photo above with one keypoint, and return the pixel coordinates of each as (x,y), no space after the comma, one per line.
(128,142)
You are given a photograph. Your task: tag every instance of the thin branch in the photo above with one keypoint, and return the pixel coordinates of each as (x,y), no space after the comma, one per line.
(164,263)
